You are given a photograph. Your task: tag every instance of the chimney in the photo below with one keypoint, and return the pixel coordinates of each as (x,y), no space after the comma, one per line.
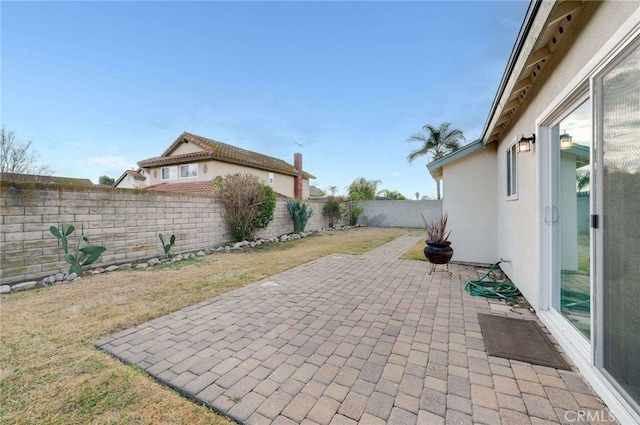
(297,181)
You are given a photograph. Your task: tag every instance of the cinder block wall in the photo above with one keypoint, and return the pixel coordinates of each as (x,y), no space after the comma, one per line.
(125,221)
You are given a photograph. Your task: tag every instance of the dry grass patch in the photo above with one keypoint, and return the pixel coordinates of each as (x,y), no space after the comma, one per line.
(52,373)
(417,251)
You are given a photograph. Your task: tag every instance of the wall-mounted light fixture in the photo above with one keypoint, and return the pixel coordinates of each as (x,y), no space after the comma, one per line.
(524,145)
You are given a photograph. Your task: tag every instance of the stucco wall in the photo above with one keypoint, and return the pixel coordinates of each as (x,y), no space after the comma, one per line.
(469,200)
(283,184)
(519,221)
(126,222)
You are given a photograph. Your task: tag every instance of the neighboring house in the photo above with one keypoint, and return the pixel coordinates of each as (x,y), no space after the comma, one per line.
(132,179)
(572,86)
(192,162)
(315,192)
(34,178)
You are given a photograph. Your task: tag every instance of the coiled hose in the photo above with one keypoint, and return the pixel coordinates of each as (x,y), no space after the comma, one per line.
(492,289)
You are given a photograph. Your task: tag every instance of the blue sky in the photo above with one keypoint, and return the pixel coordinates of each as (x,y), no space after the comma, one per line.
(98,86)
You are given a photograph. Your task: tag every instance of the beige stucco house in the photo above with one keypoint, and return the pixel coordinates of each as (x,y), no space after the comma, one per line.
(192,162)
(132,179)
(553,186)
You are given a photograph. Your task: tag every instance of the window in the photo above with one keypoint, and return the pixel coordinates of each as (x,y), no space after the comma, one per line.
(169,173)
(271,179)
(188,171)
(512,172)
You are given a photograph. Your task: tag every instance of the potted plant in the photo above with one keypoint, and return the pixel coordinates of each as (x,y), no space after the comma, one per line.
(438,249)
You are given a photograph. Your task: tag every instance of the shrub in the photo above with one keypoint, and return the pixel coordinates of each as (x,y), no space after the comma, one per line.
(332,210)
(355,209)
(248,204)
(300,214)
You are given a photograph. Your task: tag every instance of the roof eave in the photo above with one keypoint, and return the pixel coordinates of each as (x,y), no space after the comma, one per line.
(435,167)
(545,27)
(496,106)
(167,160)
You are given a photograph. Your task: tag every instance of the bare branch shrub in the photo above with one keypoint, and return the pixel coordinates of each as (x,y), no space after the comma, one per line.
(247,202)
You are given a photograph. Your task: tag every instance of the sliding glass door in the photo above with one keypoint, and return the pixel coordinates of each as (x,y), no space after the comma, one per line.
(618,129)
(571,168)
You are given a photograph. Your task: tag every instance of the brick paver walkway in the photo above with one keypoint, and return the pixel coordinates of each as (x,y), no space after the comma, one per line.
(367,339)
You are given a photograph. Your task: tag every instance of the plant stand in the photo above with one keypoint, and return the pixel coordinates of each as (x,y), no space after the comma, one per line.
(432,268)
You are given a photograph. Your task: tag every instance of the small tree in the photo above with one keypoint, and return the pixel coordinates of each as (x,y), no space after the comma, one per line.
(360,189)
(106,181)
(248,204)
(332,210)
(18,157)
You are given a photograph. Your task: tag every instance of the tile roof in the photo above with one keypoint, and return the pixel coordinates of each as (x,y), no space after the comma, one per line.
(199,186)
(33,178)
(136,174)
(212,149)
(192,187)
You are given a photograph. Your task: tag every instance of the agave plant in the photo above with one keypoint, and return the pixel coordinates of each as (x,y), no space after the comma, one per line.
(300,214)
(83,255)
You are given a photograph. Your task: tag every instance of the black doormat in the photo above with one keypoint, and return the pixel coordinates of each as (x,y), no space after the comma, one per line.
(519,339)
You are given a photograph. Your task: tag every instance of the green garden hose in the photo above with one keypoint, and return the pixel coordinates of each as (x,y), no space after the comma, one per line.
(492,289)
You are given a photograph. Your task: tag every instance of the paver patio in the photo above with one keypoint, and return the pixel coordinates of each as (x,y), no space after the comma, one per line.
(367,339)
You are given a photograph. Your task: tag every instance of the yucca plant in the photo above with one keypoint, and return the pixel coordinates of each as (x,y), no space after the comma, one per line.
(300,214)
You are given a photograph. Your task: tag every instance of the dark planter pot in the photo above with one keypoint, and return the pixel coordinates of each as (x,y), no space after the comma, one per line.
(438,253)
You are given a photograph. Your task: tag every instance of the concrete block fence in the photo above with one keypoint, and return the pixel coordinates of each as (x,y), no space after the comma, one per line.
(127,222)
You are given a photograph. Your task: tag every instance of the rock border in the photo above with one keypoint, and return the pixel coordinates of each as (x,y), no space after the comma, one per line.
(60,277)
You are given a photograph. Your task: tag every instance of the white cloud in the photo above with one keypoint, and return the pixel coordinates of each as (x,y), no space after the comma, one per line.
(109,161)
(396,174)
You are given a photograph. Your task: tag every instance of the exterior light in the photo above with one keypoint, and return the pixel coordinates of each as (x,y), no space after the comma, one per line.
(524,145)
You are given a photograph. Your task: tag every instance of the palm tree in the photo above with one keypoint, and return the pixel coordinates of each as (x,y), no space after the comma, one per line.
(438,141)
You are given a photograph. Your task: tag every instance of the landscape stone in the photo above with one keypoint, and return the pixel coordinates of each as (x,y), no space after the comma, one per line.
(24,286)
(112,268)
(5,289)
